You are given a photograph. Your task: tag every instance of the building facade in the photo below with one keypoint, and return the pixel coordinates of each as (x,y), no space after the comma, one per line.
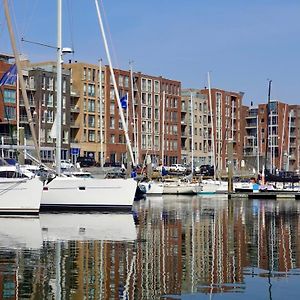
(272,136)
(226,113)
(196,123)
(149,101)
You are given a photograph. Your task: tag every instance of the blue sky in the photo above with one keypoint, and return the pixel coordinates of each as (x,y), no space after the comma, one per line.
(242,43)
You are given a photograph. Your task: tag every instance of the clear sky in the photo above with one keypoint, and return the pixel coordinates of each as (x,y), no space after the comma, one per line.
(243,43)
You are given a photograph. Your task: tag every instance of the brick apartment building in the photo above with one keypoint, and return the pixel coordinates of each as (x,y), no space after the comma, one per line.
(145,101)
(8,106)
(278,146)
(226,115)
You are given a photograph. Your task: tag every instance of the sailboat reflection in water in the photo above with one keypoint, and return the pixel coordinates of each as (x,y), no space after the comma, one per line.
(65,250)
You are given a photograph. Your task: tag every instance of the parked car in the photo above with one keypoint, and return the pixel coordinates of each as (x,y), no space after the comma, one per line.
(114,164)
(64,164)
(205,170)
(86,161)
(177,168)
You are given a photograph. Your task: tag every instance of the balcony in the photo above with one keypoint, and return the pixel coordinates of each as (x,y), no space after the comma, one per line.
(74,124)
(75,109)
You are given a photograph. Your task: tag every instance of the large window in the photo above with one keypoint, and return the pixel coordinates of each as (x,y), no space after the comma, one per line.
(9,96)
(91,105)
(10,113)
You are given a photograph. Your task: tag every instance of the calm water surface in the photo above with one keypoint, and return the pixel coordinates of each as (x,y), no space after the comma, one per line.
(169,248)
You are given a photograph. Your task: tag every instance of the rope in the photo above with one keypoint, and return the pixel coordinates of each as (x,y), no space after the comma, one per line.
(109,36)
(28,16)
(12,187)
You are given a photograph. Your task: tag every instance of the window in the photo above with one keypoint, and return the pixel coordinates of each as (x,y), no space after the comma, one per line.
(144,85)
(91,90)
(9,96)
(64,118)
(112,94)
(112,123)
(65,137)
(50,100)
(92,136)
(49,138)
(91,105)
(126,81)
(64,101)
(91,121)
(10,113)
(112,139)
(156,100)
(156,86)
(112,109)
(149,87)
(49,116)
(120,80)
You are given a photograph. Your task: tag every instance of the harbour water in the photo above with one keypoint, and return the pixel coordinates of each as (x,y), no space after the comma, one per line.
(170,247)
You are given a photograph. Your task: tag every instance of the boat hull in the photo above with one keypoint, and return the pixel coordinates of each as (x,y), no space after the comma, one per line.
(213,187)
(71,193)
(153,188)
(180,189)
(20,195)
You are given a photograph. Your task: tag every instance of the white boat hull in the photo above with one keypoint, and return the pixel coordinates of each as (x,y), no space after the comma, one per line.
(213,187)
(88,193)
(153,188)
(180,188)
(20,195)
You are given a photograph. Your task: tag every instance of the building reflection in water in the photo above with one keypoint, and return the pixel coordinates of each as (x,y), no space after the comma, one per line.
(168,246)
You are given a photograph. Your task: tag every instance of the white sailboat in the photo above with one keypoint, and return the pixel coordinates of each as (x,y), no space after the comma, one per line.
(212,186)
(75,192)
(184,186)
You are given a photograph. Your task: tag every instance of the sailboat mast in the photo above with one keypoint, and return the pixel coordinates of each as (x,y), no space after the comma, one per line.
(282,139)
(114,83)
(288,145)
(58,88)
(21,79)
(192,125)
(101,113)
(213,160)
(268,122)
(134,118)
(257,142)
(163,129)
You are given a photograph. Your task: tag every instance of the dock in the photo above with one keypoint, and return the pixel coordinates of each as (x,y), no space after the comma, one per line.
(273,195)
